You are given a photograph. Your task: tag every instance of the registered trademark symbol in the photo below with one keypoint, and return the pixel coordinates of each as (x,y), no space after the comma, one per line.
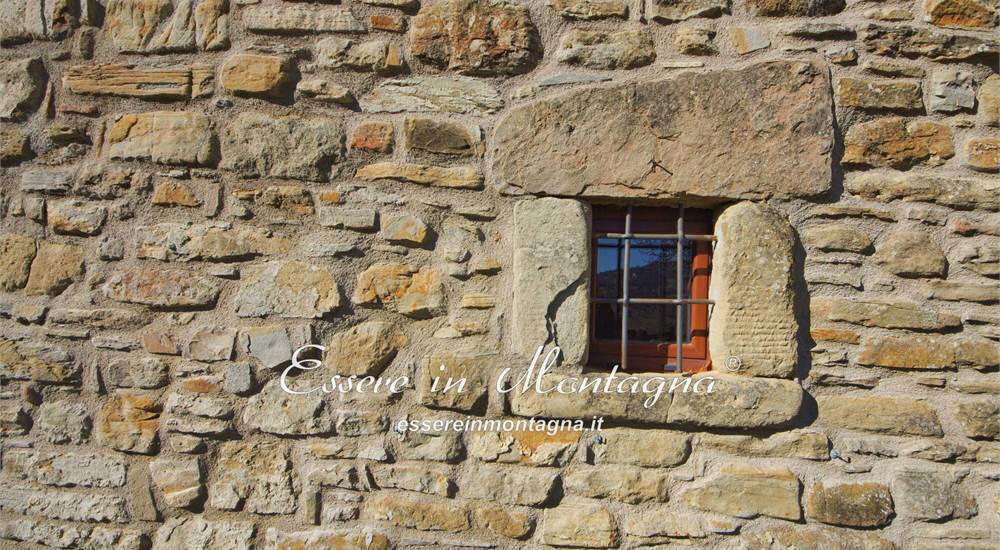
(733,363)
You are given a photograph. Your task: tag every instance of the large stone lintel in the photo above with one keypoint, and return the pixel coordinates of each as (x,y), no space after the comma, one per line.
(735,402)
(757,132)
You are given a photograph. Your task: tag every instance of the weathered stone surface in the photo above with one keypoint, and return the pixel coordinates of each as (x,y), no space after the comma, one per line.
(341,539)
(836,237)
(958,193)
(55,267)
(254,75)
(55,535)
(793,444)
(798,537)
(433,94)
(410,291)
(754,317)
(748,492)
(961,292)
(40,362)
(356,219)
(749,39)
(60,422)
(925,494)
(508,523)
(910,254)
(879,95)
(22,85)
(378,56)
(415,477)
(406,230)
(14,146)
(589,9)
(75,217)
(254,477)
(325,90)
(196,532)
(300,19)
(162,288)
(781,8)
(63,505)
(275,411)
(287,289)
(912,42)
(163,137)
(648,448)
(883,313)
(951,91)
(178,479)
(16,255)
(606,50)
(658,526)
(452,177)
(738,402)
(145,373)
(258,145)
(364,349)
(695,41)
(161,26)
(129,422)
(524,447)
(988,113)
(879,414)
(979,419)
(897,143)
(982,154)
(627,484)
(850,504)
(424,514)
(442,137)
(580,524)
(672,11)
(441,367)
(551,268)
(511,485)
(476,38)
(176,82)
(602,158)
(375,136)
(961,14)
(928,352)
(85,469)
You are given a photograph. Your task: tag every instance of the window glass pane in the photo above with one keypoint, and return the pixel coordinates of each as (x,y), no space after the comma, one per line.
(652,323)
(609,261)
(607,321)
(653,268)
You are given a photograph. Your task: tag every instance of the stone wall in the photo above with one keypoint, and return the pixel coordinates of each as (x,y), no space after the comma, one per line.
(192,189)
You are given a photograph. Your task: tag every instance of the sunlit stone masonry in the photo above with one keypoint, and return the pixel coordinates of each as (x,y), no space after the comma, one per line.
(192,190)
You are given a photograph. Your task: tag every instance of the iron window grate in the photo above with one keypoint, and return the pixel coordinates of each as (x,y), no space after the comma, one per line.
(680,301)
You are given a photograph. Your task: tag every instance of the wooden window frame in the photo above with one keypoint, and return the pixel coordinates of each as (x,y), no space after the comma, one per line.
(628,223)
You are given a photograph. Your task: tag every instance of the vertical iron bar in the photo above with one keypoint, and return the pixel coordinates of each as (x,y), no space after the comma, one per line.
(625,284)
(680,289)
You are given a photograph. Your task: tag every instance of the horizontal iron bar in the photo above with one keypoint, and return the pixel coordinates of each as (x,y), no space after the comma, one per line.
(661,236)
(655,301)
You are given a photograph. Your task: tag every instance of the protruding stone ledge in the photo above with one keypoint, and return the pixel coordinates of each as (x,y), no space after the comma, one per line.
(736,402)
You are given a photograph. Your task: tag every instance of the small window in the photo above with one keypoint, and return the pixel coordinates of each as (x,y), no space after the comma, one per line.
(649,311)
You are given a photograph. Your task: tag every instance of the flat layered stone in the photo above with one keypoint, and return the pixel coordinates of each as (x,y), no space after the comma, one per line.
(619,129)
(798,537)
(290,289)
(75,217)
(929,352)
(879,95)
(588,10)
(748,492)
(183,533)
(580,525)
(16,254)
(809,445)
(911,254)
(423,513)
(163,26)
(56,266)
(258,145)
(880,414)
(933,494)
(606,50)
(433,94)
(254,75)
(629,484)
(784,8)
(22,85)
(378,56)
(345,539)
(883,313)
(897,143)
(982,154)
(836,237)
(164,137)
(453,177)
(754,317)
(738,402)
(132,81)
(508,523)
(300,19)
(364,349)
(440,137)
(961,193)
(913,42)
(551,237)
(162,288)
(476,38)
(65,469)
(979,419)
(64,505)
(961,292)
(648,448)
(521,486)
(673,11)
(850,504)
(524,446)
